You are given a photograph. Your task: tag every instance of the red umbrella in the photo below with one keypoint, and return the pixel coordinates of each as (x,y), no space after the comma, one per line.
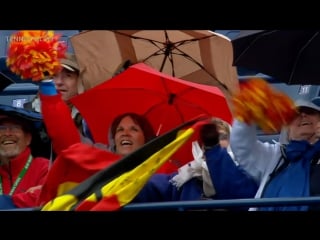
(165,100)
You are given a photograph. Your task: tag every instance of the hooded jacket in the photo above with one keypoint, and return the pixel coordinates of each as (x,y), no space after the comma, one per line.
(257,158)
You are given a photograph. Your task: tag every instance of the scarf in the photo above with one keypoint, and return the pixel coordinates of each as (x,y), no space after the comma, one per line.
(196,168)
(294,180)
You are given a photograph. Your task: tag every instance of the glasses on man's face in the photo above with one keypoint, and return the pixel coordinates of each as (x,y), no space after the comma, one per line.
(11,128)
(307,110)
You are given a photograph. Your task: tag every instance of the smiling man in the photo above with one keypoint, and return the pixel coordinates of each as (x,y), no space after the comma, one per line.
(304,125)
(21,173)
(288,168)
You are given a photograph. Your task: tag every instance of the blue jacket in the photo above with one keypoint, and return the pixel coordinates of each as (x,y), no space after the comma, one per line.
(230,182)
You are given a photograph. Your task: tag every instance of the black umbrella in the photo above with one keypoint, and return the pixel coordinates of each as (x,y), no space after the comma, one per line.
(4,81)
(8,77)
(291,56)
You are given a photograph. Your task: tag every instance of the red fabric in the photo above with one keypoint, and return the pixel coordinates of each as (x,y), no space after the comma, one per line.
(58,121)
(26,199)
(34,176)
(81,161)
(165,101)
(110,203)
(74,164)
(181,157)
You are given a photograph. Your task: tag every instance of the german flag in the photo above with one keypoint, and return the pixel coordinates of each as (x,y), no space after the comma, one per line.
(116,185)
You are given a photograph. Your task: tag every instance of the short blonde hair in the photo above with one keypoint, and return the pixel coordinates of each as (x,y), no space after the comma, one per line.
(221,125)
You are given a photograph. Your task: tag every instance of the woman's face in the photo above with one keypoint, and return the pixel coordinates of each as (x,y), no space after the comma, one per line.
(129,136)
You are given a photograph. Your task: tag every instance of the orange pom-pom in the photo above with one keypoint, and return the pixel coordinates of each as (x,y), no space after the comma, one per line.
(35,54)
(257,101)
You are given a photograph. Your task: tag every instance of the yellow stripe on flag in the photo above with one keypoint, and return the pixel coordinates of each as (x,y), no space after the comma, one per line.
(61,203)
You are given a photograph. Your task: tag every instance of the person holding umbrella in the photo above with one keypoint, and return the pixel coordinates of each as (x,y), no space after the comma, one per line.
(128,132)
(53,104)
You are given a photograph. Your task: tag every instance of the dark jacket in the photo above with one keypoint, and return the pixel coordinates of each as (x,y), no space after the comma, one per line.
(230,182)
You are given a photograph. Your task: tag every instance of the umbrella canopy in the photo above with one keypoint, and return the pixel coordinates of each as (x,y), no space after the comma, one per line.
(198,56)
(4,81)
(290,56)
(5,78)
(166,101)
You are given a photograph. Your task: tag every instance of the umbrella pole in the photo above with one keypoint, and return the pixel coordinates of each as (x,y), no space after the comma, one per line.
(164,59)
(169,46)
(159,129)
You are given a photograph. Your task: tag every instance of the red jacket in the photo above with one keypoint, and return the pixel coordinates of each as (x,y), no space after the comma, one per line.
(59,123)
(63,132)
(73,163)
(34,176)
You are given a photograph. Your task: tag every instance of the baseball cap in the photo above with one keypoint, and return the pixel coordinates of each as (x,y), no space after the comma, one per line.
(70,62)
(314,103)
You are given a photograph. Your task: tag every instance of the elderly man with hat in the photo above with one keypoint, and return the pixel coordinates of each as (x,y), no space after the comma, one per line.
(21,171)
(288,168)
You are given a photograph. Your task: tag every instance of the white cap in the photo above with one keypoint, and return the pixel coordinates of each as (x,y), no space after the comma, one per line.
(314,104)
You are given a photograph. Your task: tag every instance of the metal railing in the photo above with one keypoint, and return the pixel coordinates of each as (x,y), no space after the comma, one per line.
(211,204)
(221,204)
